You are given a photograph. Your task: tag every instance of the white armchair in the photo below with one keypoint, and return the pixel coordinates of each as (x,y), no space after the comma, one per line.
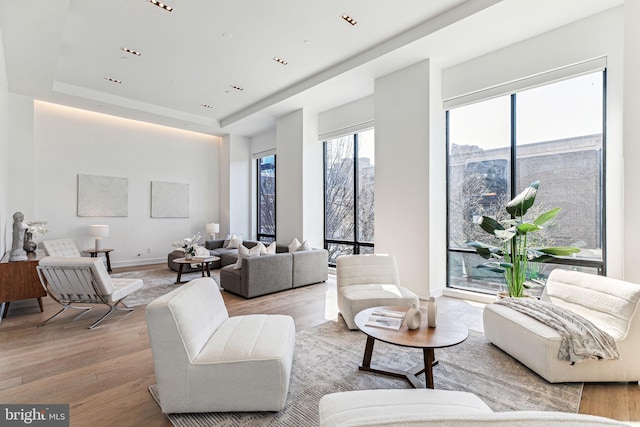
(78,280)
(366,281)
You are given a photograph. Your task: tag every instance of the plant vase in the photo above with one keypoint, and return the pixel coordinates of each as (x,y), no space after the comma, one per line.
(29,245)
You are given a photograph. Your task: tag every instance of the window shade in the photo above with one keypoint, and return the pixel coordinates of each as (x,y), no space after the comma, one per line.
(547,77)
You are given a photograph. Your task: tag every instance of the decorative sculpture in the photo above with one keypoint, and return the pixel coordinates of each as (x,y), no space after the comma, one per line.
(19,228)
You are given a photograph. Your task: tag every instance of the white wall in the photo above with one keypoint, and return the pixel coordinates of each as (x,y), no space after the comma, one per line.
(299,179)
(68,142)
(631,138)
(437,185)
(597,36)
(5,223)
(313,182)
(240,194)
(289,211)
(402,183)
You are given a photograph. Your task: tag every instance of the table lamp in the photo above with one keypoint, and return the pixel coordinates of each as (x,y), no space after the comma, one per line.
(99,231)
(212,229)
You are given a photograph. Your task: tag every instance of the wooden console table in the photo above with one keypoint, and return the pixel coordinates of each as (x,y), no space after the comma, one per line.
(19,281)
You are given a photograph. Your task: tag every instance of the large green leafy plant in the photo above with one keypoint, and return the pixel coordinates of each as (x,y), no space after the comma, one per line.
(513,256)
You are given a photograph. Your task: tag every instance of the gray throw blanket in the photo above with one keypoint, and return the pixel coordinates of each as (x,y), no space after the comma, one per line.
(581,339)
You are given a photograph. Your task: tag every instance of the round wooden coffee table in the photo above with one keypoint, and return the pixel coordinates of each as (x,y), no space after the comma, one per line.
(447,333)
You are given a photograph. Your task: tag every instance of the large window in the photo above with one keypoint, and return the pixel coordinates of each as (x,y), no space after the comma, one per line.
(349,194)
(553,134)
(267,198)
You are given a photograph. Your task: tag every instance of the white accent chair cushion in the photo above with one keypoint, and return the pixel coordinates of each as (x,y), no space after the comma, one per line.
(612,305)
(366,281)
(426,407)
(206,361)
(61,247)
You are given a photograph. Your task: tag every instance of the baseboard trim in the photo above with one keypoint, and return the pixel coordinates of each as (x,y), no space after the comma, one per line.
(469,296)
(136,262)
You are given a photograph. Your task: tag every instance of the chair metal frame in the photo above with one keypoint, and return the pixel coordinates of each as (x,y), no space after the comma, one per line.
(70,285)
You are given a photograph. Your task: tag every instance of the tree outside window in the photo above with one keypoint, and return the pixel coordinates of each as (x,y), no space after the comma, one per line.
(349,194)
(267,198)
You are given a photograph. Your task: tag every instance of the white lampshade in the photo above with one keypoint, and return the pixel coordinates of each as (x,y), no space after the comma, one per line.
(99,231)
(212,229)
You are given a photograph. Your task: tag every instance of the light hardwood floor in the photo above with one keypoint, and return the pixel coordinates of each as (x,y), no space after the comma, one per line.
(104,374)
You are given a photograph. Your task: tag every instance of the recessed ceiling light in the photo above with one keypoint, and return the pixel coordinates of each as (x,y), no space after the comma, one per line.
(349,19)
(207,105)
(280,60)
(162,5)
(133,52)
(113,80)
(237,87)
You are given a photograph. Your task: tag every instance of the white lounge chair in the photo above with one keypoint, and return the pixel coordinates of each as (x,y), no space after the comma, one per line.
(82,280)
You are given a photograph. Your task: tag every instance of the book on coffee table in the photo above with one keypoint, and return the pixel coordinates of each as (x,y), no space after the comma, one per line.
(385,321)
(202,258)
(390,313)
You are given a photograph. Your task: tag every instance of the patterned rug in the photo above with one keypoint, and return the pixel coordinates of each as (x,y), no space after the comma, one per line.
(157,282)
(326,360)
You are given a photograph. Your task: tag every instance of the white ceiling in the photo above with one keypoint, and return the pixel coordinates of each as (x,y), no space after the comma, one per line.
(61,51)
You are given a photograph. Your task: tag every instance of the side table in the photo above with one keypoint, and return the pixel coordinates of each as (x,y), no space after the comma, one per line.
(94,253)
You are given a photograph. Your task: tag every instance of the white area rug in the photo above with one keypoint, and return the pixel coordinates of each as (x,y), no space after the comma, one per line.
(326,360)
(157,282)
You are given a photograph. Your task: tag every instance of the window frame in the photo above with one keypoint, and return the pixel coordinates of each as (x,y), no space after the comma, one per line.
(598,264)
(260,236)
(356,243)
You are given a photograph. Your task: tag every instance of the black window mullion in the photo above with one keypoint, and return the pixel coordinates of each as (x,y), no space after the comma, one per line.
(356,198)
(514,159)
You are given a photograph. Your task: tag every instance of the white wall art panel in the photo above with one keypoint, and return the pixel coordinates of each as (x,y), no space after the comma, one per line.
(103,196)
(169,200)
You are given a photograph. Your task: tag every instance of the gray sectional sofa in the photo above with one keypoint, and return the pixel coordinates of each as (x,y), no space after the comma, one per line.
(265,274)
(216,248)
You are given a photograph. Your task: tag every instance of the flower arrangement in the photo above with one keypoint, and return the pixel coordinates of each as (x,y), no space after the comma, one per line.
(188,244)
(36,227)
(513,257)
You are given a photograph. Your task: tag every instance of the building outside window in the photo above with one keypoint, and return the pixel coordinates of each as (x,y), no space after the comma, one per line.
(266,198)
(349,194)
(553,134)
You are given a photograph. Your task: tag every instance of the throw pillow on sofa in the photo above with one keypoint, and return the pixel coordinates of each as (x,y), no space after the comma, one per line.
(294,245)
(234,242)
(304,247)
(267,250)
(244,252)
